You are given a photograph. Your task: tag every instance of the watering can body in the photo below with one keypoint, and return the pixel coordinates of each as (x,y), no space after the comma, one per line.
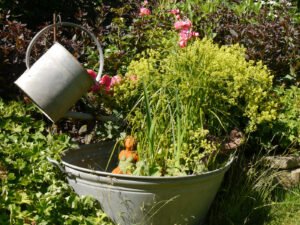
(56,81)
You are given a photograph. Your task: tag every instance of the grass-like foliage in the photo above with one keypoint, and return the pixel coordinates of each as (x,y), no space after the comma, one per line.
(286,208)
(193,98)
(250,195)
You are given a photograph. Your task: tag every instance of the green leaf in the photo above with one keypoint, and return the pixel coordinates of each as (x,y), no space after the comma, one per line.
(11,176)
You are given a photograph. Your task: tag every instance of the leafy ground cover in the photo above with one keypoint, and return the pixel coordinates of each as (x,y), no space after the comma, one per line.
(33,192)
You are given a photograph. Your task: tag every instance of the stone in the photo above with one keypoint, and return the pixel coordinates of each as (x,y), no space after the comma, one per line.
(283,162)
(295,174)
(82,130)
(88,138)
(288,178)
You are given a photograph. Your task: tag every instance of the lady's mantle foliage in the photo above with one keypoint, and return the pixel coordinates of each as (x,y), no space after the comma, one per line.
(218,77)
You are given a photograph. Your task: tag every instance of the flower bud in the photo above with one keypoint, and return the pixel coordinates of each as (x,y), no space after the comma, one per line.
(144,11)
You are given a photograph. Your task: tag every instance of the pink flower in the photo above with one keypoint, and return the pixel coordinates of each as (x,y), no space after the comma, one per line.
(174,11)
(105,82)
(95,88)
(186,24)
(144,11)
(145,3)
(178,25)
(195,34)
(185,35)
(178,17)
(182,43)
(183,24)
(115,80)
(93,74)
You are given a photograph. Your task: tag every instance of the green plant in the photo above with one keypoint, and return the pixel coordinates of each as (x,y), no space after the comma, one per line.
(247,194)
(286,208)
(269,33)
(289,115)
(128,34)
(283,133)
(194,97)
(267,29)
(32,192)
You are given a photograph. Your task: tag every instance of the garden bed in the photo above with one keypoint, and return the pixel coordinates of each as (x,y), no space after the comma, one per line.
(155,54)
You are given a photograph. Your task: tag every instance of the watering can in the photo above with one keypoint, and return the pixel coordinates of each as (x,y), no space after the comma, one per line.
(56,81)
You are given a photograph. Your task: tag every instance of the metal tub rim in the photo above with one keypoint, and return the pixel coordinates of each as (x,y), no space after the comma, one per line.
(134,177)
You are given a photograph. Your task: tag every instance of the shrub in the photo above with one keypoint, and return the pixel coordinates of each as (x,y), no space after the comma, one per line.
(14,38)
(283,134)
(271,34)
(127,34)
(222,79)
(194,95)
(37,12)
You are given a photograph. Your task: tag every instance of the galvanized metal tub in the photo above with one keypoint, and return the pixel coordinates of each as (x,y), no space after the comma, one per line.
(140,200)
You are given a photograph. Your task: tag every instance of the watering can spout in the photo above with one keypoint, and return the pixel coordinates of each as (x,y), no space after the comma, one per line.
(79,115)
(56,81)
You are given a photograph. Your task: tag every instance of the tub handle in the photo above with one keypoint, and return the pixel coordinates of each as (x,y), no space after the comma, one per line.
(55,163)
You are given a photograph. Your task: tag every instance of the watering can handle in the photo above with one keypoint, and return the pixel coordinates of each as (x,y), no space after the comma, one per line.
(39,34)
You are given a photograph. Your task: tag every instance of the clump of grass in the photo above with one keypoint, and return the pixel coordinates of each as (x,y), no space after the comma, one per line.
(246,194)
(286,207)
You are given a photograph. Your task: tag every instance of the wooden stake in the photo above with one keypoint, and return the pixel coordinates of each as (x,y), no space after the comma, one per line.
(54,28)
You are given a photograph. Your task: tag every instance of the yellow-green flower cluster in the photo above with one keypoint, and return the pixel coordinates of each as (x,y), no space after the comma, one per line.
(215,77)
(195,93)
